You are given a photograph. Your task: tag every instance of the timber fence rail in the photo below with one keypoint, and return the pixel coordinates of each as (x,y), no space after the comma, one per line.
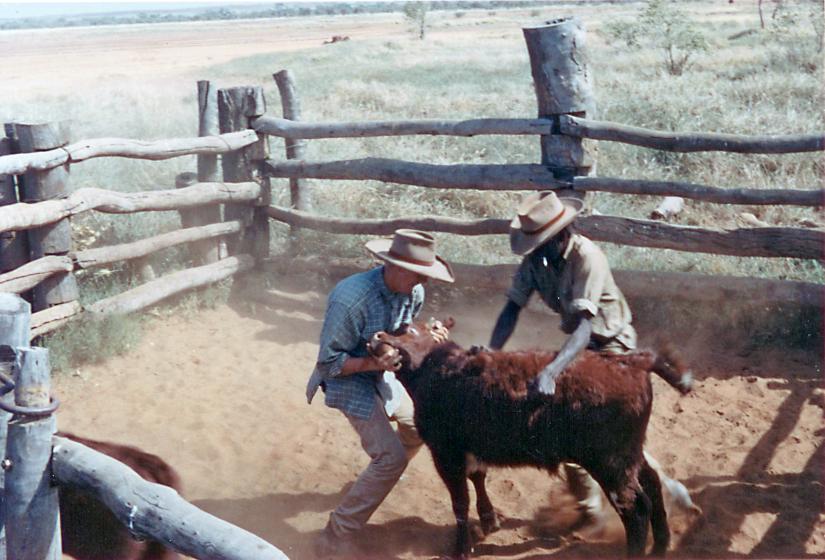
(37,260)
(17,164)
(564,98)
(36,253)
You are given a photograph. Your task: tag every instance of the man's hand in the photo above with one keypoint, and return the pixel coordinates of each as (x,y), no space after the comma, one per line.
(439,332)
(545,383)
(389,360)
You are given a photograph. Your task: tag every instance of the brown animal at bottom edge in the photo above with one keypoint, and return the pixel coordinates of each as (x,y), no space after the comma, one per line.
(89,531)
(475,407)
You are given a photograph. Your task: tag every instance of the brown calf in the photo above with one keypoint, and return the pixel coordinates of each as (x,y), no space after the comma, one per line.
(476,406)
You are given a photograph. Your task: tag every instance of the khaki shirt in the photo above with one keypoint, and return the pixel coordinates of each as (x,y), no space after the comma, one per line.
(582,282)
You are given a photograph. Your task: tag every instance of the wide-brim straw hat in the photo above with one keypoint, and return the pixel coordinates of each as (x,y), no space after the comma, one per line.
(412,250)
(539,217)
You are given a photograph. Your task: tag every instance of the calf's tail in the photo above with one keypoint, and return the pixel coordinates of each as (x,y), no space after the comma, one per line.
(669,366)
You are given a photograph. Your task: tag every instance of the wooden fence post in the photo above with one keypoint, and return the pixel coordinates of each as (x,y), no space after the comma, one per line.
(211,250)
(561,75)
(295,149)
(236,108)
(15,321)
(56,238)
(14,249)
(32,509)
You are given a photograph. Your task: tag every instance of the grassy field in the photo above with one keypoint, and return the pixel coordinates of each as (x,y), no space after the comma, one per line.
(471,64)
(475,64)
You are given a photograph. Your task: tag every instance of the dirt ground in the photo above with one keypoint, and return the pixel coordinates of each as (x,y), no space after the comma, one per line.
(220,395)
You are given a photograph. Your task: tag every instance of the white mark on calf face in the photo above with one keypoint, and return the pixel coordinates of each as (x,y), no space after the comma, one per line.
(474,465)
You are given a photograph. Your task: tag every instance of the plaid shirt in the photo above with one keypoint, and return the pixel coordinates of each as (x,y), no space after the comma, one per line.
(358,307)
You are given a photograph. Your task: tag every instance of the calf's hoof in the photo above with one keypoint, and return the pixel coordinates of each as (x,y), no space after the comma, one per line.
(490,523)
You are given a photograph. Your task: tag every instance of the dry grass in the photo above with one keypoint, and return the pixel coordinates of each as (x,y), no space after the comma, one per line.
(473,66)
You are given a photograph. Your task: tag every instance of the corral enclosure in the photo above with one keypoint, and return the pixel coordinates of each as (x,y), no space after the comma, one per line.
(757,523)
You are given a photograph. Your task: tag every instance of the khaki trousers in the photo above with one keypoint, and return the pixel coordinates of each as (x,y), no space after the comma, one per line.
(390,451)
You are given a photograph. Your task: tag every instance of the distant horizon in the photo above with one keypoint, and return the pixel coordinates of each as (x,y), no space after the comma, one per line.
(21,10)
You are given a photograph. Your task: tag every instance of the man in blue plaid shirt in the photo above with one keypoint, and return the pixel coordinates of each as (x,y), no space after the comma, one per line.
(363,387)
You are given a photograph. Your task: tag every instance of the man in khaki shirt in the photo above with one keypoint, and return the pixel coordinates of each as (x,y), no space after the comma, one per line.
(572,276)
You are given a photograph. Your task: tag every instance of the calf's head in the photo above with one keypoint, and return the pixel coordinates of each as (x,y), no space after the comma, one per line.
(413,342)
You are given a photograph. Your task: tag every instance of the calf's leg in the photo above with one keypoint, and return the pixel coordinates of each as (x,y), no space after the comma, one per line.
(486,512)
(632,505)
(652,487)
(453,472)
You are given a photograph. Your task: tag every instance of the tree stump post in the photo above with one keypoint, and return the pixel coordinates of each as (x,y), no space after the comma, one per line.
(561,75)
(212,250)
(15,321)
(56,238)
(32,508)
(14,248)
(295,149)
(236,108)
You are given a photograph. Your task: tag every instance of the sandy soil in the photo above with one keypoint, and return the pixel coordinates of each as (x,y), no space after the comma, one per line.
(220,396)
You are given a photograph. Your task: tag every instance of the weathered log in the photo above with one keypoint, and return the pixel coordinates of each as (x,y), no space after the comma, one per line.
(155,291)
(669,207)
(104,255)
(564,84)
(54,317)
(53,239)
(691,141)
(295,148)
(26,216)
(479,226)
(789,242)
(719,195)
(208,170)
(15,321)
(529,177)
(802,243)
(40,137)
(208,126)
(466,176)
(160,149)
(14,250)
(152,510)
(236,108)
(289,128)
(32,513)
(17,164)
(32,273)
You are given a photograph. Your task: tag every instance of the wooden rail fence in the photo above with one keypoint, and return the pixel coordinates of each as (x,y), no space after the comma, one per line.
(226,213)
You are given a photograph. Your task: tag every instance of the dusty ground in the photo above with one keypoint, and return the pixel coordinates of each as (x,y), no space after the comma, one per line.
(220,395)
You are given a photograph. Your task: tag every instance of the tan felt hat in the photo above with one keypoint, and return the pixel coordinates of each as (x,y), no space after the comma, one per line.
(412,250)
(539,217)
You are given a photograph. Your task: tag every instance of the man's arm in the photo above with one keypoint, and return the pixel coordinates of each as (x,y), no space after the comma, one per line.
(574,344)
(505,325)
(389,361)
